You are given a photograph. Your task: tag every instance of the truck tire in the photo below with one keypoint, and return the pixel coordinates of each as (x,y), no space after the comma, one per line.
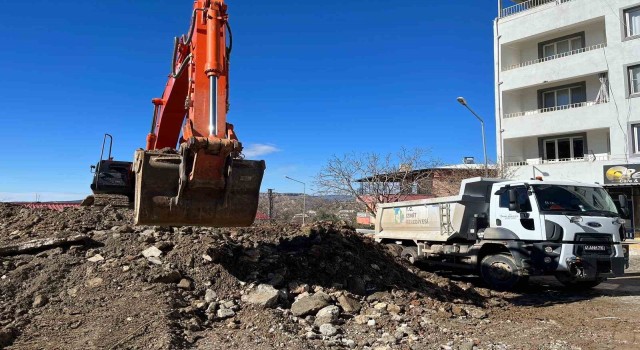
(501,272)
(571,283)
(395,249)
(410,254)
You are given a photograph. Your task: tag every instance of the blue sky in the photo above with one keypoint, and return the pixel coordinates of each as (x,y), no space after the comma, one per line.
(309,79)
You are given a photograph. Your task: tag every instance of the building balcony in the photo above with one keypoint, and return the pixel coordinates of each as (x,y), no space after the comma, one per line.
(547,17)
(554,57)
(577,63)
(557,120)
(552,109)
(524,6)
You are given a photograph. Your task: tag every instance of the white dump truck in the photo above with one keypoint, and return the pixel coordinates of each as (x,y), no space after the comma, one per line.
(506,231)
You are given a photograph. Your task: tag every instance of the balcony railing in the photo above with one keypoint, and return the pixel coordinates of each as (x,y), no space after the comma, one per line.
(587,158)
(560,55)
(527,5)
(551,109)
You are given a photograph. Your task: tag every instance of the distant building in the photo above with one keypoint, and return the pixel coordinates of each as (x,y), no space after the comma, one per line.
(418,184)
(567,91)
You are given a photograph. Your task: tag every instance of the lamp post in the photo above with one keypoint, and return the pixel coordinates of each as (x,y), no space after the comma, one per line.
(463,102)
(304,199)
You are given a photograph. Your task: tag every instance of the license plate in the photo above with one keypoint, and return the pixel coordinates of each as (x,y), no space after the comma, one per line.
(595,248)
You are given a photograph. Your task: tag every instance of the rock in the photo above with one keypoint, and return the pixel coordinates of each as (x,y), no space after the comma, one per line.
(371,322)
(39,300)
(167,276)
(476,312)
(466,346)
(394,309)
(361,319)
(207,257)
(328,330)
(210,295)
(298,287)
(350,344)
(72,292)
(380,306)
(349,304)
(225,313)
(264,295)
(151,252)
(211,309)
(154,260)
(310,304)
(328,314)
(126,268)
(124,229)
(377,296)
(458,311)
(185,284)
(94,282)
(96,258)
(388,339)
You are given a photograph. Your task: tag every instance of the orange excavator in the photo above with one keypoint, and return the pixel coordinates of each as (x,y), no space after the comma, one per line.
(192,171)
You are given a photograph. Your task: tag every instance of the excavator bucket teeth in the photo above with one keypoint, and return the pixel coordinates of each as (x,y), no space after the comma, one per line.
(157,182)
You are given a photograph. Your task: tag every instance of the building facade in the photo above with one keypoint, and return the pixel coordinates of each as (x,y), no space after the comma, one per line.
(568,91)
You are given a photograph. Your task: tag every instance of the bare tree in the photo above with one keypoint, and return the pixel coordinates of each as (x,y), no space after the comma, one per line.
(374,178)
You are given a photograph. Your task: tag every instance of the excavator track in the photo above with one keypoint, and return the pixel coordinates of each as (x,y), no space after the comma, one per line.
(115,200)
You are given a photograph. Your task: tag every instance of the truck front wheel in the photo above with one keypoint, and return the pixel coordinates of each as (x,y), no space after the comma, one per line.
(501,272)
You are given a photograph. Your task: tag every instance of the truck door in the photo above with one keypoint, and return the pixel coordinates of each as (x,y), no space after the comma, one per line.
(525,221)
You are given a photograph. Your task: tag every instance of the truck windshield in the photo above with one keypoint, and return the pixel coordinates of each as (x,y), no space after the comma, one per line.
(573,200)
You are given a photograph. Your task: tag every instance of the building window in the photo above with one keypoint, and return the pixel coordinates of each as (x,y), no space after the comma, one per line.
(563,148)
(562,97)
(635,136)
(632,21)
(560,46)
(634,80)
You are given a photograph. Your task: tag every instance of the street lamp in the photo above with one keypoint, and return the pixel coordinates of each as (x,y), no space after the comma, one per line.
(304,195)
(463,102)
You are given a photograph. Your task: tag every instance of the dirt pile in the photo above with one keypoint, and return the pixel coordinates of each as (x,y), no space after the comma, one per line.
(117,286)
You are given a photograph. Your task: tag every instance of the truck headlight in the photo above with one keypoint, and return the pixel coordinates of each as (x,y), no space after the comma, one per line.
(548,250)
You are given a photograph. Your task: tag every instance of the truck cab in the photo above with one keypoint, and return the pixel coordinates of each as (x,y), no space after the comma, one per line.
(572,230)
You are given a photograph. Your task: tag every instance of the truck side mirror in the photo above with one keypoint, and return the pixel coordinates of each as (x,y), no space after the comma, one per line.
(513,200)
(93,169)
(624,207)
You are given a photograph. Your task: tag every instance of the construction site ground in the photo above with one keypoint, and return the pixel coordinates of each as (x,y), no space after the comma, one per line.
(85,278)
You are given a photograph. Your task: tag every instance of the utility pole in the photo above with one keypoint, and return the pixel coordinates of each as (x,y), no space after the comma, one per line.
(271,213)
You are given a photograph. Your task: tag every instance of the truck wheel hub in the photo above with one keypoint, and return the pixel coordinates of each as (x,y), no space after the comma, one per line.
(500,271)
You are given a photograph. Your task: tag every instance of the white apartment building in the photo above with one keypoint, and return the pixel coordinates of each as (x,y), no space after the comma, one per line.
(568,91)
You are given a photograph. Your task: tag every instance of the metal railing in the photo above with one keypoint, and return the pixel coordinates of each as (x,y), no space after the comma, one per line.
(560,55)
(552,109)
(527,5)
(539,161)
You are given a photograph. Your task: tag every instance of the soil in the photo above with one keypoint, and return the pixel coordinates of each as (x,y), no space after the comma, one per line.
(140,287)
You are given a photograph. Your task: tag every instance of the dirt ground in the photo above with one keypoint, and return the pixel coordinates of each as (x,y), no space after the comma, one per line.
(85,278)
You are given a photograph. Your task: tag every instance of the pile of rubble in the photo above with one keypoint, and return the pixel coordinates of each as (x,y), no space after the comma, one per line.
(86,278)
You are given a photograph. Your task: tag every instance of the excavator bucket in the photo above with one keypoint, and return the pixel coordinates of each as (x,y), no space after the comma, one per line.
(157,201)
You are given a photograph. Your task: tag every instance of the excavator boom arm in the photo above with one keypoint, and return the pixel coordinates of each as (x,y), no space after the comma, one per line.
(191,172)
